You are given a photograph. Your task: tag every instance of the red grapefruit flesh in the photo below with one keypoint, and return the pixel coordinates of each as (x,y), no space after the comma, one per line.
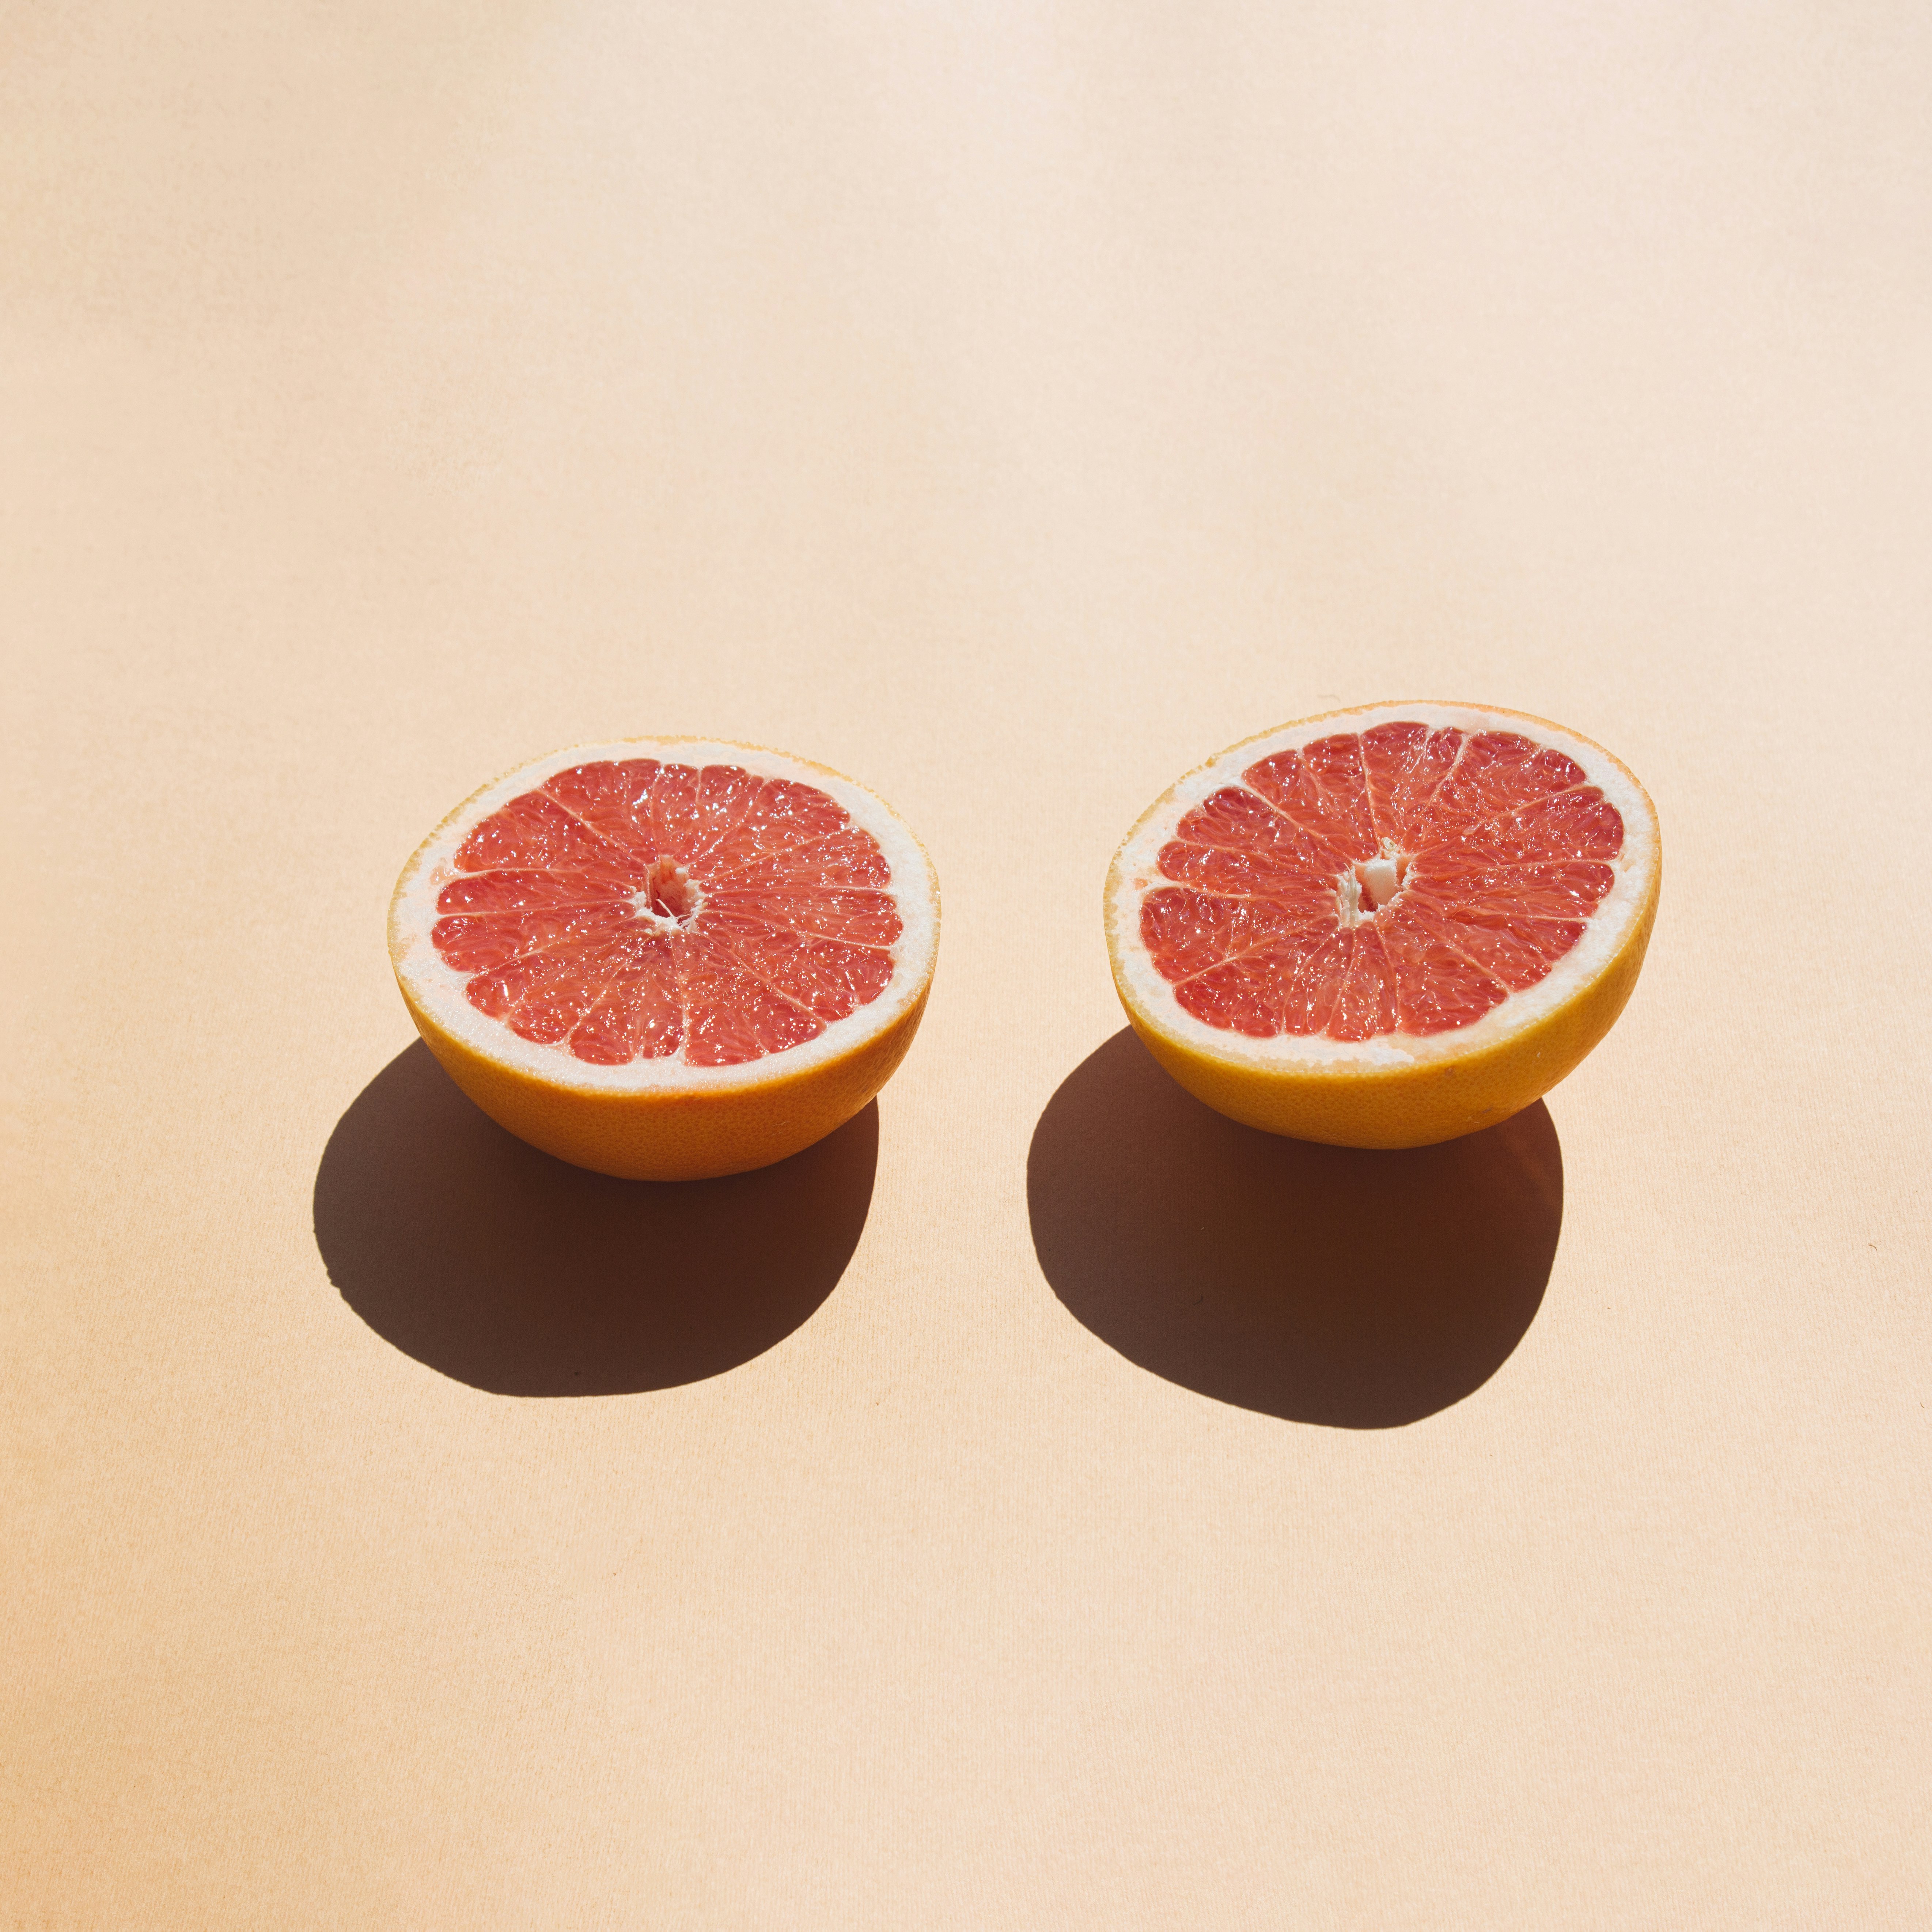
(1395,880)
(633,910)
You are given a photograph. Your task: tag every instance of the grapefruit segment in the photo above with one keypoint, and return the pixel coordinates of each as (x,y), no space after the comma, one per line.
(665,957)
(1387,926)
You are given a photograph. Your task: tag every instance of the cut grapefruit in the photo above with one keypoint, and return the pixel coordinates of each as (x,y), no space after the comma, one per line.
(666,958)
(1388,926)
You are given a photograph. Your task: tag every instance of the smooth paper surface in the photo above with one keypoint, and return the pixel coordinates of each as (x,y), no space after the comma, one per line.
(1044,1503)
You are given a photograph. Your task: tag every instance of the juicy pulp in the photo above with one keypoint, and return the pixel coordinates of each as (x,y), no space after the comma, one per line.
(1405,878)
(637,909)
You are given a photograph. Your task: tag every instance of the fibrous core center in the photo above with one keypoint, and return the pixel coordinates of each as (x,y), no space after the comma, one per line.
(1369,884)
(667,897)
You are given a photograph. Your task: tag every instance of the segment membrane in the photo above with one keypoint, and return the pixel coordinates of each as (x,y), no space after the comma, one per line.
(792,926)
(1503,848)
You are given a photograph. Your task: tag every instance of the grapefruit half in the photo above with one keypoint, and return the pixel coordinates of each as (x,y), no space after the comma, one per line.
(667,958)
(1387,926)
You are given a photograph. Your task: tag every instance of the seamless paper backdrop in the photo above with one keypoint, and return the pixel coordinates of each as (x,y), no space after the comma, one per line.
(1043,1504)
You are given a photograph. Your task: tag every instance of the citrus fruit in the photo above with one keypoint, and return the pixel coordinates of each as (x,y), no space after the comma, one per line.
(1387,926)
(668,958)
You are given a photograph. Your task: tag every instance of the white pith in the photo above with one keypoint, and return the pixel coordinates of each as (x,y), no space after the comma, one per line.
(1135,870)
(438,988)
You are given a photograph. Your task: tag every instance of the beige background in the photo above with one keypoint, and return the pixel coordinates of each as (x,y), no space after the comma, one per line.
(1010,406)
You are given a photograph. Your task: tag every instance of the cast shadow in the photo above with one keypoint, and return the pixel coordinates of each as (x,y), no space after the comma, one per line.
(503,1268)
(1319,1284)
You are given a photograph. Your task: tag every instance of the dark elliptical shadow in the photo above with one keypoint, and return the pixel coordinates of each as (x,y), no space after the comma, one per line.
(1319,1284)
(503,1268)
